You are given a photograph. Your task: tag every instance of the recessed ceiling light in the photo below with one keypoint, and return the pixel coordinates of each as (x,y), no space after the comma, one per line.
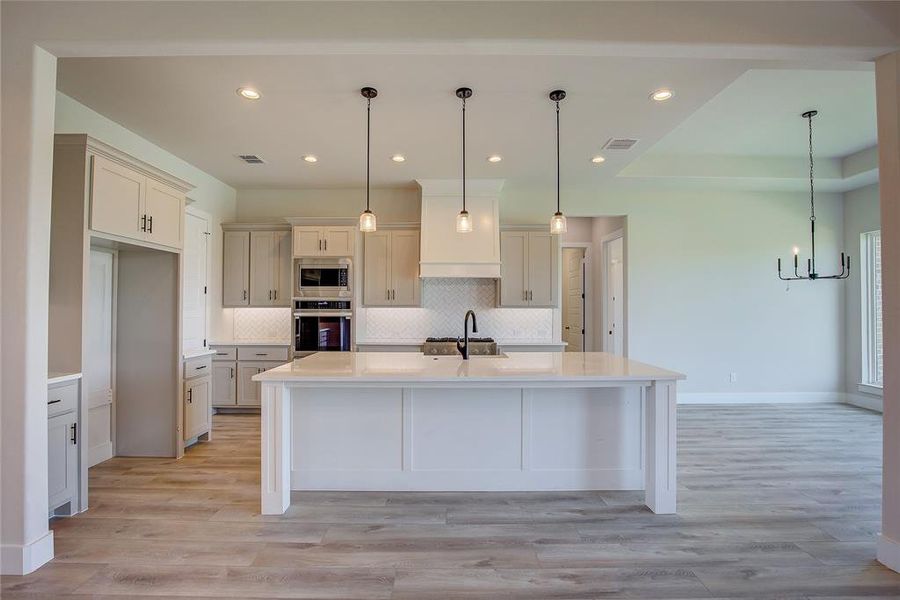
(661,95)
(398,158)
(310,158)
(494,158)
(248,93)
(598,159)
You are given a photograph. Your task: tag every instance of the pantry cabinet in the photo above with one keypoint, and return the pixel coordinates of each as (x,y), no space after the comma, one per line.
(256,268)
(312,241)
(529,269)
(391,268)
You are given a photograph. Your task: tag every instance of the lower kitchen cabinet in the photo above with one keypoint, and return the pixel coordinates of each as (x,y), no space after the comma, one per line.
(64,438)
(233,368)
(224,392)
(249,390)
(197,409)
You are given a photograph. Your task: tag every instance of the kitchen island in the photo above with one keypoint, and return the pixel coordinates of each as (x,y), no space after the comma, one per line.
(403,421)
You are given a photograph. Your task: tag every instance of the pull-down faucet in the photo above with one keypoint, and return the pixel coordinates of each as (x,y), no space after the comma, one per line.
(464,347)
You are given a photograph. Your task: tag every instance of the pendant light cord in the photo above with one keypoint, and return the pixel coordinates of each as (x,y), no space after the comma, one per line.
(557,157)
(464,152)
(812,200)
(368,142)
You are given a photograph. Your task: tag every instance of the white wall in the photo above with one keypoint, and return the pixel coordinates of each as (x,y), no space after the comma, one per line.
(861,214)
(389,205)
(210,196)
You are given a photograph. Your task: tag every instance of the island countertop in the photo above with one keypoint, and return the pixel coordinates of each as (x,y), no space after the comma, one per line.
(404,367)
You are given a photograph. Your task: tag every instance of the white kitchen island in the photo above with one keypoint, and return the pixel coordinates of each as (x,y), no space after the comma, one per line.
(398,421)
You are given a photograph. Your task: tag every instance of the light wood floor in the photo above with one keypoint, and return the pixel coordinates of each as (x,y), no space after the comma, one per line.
(775,501)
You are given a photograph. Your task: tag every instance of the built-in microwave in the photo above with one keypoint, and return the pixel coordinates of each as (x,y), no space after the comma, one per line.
(323,278)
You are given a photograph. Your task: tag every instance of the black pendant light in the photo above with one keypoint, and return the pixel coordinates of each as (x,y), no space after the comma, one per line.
(811,272)
(367,218)
(463,220)
(558,220)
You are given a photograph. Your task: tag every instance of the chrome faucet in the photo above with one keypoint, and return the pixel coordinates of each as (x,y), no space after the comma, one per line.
(464,347)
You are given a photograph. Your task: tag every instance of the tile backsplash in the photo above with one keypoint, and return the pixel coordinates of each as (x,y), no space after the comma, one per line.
(262,324)
(444,303)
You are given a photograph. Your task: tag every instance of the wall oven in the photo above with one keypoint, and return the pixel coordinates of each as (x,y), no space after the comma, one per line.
(321,326)
(323,278)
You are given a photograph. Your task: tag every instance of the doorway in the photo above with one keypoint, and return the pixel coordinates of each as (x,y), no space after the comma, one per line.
(614,293)
(99,362)
(573,298)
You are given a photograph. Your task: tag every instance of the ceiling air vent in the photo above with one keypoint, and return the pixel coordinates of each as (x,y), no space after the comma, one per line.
(619,144)
(251,159)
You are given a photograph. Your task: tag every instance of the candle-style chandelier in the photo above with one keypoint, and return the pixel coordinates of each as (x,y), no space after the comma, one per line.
(811,272)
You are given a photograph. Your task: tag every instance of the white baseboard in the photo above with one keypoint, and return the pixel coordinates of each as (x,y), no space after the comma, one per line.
(889,552)
(761,398)
(99,453)
(22,560)
(863,401)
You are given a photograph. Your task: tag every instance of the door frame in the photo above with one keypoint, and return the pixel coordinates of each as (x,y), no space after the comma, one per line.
(200,214)
(604,281)
(114,298)
(587,342)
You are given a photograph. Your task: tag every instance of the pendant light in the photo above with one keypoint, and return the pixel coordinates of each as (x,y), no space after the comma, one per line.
(367,218)
(463,220)
(811,273)
(558,220)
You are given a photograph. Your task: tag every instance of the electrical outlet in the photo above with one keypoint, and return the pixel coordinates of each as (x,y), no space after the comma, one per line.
(733,377)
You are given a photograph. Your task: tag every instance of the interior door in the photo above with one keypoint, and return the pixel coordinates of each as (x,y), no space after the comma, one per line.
(573,299)
(98,360)
(165,214)
(194,283)
(615,296)
(541,269)
(377,269)
(405,283)
(263,262)
(117,198)
(513,269)
(236,268)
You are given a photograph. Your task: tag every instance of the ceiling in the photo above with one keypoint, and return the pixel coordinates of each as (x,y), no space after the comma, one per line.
(311,105)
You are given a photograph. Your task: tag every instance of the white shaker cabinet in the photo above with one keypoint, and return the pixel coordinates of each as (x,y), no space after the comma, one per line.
(256,268)
(164,206)
(528,269)
(197,408)
(247,389)
(391,268)
(311,241)
(64,441)
(224,392)
(236,268)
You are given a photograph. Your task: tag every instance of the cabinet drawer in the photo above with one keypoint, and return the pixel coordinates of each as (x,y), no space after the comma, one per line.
(62,398)
(262,353)
(224,353)
(197,367)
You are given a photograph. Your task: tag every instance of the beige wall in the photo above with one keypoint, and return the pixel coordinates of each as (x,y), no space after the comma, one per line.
(389,205)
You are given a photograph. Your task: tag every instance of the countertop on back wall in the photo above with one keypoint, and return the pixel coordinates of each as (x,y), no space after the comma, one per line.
(420,342)
(249,342)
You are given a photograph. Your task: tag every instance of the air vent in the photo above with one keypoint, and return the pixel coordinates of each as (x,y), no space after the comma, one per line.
(619,144)
(251,159)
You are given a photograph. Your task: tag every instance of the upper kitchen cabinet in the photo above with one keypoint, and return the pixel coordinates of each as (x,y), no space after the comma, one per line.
(391,268)
(323,241)
(529,268)
(256,266)
(127,202)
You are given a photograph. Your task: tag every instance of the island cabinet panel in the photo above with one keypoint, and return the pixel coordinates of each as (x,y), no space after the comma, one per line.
(529,271)
(236,268)
(391,268)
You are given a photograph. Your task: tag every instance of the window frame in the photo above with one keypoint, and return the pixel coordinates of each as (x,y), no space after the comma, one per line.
(868,304)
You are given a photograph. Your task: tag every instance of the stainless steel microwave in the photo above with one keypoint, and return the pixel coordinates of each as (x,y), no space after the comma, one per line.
(323,278)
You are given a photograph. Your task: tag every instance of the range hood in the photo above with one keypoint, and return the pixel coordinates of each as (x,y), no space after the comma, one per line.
(446,253)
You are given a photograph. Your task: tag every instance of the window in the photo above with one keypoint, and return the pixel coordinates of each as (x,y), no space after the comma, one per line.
(873,360)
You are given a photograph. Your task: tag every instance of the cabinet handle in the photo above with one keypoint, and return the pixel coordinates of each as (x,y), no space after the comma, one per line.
(393,294)
(326,244)
(75,433)
(270,295)
(232,371)
(143,222)
(55,401)
(150,224)
(201,367)
(320,245)
(245,294)
(190,397)
(276,294)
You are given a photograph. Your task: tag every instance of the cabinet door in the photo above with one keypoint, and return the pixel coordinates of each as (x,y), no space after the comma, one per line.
(117,198)
(248,390)
(542,258)
(405,283)
(338,241)
(307,241)
(377,269)
(164,207)
(236,268)
(514,268)
(196,407)
(224,391)
(62,459)
(284,267)
(263,261)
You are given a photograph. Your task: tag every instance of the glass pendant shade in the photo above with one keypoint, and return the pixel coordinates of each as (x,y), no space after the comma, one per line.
(558,223)
(367,221)
(463,222)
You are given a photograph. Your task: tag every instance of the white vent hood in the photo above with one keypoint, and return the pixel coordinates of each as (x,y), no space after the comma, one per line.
(446,253)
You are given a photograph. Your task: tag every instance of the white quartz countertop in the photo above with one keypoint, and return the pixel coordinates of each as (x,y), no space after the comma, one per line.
(198,353)
(421,342)
(250,343)
(397,367)
(54,377)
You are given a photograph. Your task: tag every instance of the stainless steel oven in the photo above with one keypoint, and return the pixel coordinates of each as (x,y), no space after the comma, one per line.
(321,326)
(323,278)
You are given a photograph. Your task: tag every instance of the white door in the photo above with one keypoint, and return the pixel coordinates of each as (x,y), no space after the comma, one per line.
(615,296)
(573,299)
(194,286)
(98,363)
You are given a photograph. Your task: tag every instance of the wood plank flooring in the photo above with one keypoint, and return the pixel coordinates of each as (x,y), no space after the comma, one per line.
(775,502)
